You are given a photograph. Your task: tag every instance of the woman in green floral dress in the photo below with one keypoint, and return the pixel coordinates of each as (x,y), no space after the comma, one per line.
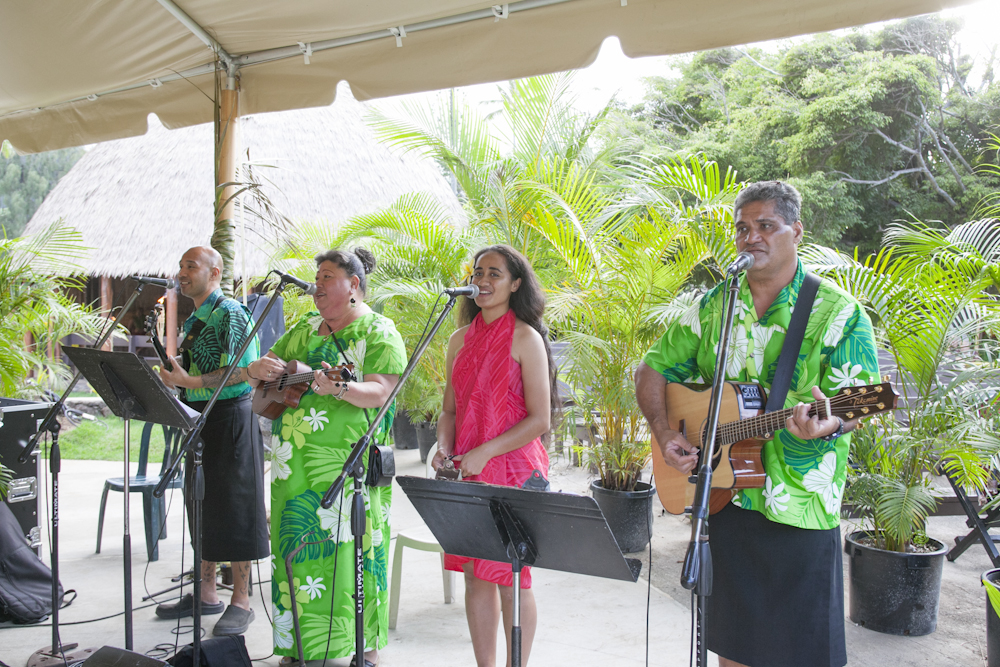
(309,447)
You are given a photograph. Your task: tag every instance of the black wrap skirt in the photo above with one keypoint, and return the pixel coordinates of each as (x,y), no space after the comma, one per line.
(234,519)
(778,592)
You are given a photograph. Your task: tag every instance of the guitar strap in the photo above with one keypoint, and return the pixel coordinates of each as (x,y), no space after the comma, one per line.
(793,343)
(185,347)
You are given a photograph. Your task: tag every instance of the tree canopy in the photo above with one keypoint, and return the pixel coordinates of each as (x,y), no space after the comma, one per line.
(871,127)
(24,182)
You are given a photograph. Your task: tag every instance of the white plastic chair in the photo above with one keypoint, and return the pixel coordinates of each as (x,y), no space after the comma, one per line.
(422,540)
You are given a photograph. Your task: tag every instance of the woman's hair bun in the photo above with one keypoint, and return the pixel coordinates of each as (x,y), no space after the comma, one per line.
(366,257)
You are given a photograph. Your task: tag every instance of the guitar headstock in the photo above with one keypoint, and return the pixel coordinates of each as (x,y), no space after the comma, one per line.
(860,402)
(152,322)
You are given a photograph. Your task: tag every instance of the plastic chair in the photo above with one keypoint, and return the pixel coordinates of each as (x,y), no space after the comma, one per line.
(153,509)
(422,540)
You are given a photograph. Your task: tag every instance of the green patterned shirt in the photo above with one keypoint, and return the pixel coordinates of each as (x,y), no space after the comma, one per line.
(226,327)
(804,478)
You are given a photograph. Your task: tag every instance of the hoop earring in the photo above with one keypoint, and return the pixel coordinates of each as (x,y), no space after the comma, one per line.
(354,304)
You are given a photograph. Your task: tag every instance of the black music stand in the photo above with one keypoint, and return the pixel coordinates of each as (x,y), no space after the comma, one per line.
(131,390)
(554,531)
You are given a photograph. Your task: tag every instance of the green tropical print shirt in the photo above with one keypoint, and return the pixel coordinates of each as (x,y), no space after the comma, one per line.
(804,478)
(309,447)
(227,323)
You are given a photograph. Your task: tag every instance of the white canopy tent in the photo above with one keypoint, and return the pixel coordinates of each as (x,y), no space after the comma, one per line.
(83,71)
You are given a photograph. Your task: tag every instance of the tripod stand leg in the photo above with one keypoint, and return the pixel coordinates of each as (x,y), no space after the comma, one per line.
(515,630)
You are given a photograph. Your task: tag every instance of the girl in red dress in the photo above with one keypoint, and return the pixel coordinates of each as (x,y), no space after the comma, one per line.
(498,402)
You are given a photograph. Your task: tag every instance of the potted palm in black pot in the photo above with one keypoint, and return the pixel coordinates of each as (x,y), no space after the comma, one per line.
(927,292)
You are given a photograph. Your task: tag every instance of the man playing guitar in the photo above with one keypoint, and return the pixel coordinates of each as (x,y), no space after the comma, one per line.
(777,595)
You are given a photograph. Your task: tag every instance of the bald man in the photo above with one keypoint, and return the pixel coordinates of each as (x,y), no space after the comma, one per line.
(234,524)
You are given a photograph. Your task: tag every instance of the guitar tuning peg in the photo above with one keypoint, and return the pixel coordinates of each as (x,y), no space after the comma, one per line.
(885,378)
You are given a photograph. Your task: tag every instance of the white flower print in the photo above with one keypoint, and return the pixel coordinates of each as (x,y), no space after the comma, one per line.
(280,456)
(761,337)
(836,328)
(382,326)
(847,376)
(356,353)
(339,513)
(282,629)
(273,562)
(313,587)
(737,353)
(690,319)
(820,480)
(775,498)
(317,420)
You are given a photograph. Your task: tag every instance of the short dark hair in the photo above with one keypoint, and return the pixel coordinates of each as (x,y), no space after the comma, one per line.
(357,262)
(787,200)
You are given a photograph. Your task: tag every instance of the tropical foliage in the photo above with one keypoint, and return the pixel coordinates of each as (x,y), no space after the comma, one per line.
(33,302)
(871,126)
(931,298)
(25,180)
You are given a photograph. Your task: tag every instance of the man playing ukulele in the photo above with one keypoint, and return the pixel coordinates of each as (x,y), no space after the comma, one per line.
(778,596)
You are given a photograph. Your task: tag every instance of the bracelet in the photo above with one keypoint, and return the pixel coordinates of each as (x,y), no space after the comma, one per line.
(836,434)
(344,390)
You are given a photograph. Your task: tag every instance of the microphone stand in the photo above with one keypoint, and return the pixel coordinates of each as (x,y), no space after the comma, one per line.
(697,571)
(355,467)
(193,448)
(56,408)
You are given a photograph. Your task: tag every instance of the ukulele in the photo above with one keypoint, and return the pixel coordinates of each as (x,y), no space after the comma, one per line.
(152,330)
(743,427)
(273,396)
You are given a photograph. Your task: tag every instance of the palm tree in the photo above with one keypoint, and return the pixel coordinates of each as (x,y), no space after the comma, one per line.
(928,292)
(627,269)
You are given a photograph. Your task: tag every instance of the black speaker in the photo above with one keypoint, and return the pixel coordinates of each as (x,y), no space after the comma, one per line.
(108,656)
(18,422)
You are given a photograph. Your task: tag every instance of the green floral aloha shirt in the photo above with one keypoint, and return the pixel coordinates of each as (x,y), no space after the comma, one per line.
(309,448)
(804,478)
(227,323)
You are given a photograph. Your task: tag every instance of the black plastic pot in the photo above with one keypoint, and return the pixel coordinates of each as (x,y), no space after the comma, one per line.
(404,434)
(629,514)
(895,593)
(426,437)
(992,623)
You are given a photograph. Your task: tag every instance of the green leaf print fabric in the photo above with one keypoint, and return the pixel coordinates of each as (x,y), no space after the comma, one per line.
(309,447)
(805,479)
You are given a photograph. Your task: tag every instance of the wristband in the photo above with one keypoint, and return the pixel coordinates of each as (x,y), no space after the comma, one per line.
(836,434)
(344,389)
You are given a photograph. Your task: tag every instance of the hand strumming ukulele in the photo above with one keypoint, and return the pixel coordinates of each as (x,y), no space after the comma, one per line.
(272,396)
(743,426)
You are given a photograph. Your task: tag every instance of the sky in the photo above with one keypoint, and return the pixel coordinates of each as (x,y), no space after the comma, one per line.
(613,73)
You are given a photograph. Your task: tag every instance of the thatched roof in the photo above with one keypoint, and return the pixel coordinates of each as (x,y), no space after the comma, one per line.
(141,202)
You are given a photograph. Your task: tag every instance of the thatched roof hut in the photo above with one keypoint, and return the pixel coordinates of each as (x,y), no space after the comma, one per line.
(141,202)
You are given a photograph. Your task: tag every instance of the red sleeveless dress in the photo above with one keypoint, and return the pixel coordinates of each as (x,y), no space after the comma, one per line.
(489,400)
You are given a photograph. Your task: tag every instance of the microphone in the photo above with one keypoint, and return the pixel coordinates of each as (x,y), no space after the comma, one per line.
(307,288)
(471,291)
(166,283)
(744,261)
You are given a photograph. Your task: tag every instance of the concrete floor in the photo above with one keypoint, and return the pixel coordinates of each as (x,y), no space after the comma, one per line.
(583,621)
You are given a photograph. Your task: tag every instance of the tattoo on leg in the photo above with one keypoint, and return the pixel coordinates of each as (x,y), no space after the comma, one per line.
(243,581)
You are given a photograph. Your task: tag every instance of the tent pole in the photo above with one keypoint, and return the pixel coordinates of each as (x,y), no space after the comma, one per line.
(107,303)
(228,141)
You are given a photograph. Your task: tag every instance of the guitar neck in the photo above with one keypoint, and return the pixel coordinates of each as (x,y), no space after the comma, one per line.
(298,378)
(849,403)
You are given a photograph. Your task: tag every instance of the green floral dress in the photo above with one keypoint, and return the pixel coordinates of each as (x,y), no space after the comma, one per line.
(309,447)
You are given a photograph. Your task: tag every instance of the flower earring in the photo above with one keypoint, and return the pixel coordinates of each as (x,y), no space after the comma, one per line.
(354,304)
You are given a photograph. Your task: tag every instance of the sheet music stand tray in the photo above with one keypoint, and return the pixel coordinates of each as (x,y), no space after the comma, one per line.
(555,531)
(131,390)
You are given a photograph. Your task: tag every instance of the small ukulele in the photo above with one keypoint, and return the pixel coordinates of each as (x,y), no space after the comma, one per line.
(153,331)
(743,427)
(271,397)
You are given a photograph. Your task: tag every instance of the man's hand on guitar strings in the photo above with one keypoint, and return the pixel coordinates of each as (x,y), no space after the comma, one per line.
(802,426)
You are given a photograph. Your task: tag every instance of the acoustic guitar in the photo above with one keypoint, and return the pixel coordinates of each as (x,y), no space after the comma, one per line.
(272,397)
(743,427)
(153,331)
